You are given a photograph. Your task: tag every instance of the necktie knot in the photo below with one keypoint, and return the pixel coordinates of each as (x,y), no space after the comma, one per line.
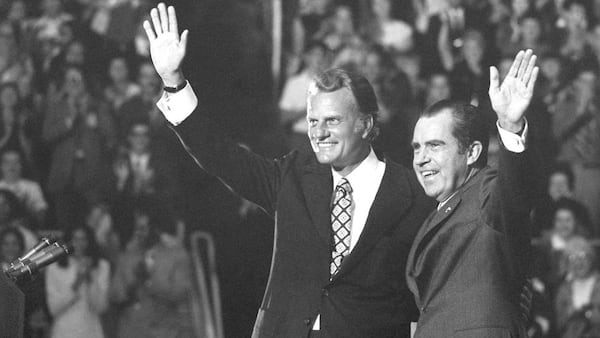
(344,186)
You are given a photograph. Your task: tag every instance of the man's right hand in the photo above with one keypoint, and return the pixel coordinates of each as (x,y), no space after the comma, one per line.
(167,48)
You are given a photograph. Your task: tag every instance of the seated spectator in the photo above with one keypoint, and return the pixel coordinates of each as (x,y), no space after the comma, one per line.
(29,192)
(157,288)
(77,288)
(530,36)
(120,87)
(12,215)
(577,303)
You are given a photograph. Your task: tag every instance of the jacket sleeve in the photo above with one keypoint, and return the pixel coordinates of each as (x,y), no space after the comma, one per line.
(246,173)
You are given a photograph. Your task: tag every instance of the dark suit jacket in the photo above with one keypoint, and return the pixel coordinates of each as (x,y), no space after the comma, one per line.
(368,297)
(469,261)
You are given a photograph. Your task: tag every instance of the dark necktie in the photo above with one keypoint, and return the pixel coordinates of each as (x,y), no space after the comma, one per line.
(341,221)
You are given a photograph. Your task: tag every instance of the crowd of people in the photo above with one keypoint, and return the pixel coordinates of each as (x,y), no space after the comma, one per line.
(84,150)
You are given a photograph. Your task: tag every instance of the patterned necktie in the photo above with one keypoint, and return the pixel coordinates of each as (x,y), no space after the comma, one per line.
(341,212)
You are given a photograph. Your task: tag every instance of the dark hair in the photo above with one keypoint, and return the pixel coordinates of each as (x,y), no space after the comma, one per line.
(469,126)
(16,208)
(335,79)
(13,231)
(565,169)
(92,251)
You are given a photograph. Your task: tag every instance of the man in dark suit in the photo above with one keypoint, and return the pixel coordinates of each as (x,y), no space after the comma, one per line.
(469,262)
(339,255)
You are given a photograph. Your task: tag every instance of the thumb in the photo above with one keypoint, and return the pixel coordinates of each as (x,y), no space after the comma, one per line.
(494,80)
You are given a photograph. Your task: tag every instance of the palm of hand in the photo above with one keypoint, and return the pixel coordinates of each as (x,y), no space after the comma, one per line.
(167,52)
(511,99)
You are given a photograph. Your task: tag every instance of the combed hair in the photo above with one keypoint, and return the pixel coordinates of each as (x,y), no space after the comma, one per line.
(335,79)
(469,126)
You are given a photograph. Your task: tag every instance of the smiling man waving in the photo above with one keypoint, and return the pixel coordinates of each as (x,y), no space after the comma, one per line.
(469,262)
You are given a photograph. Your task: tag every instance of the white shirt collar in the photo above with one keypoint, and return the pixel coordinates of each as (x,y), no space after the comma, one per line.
(358,178)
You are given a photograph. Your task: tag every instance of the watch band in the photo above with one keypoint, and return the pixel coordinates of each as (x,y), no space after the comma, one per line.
(175,89)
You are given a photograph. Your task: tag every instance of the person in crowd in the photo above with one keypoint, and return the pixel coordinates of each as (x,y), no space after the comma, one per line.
(325,281)
(47,25)
(383,29)
(574,47)
(576,128)
(16,65)
(560,185)
(81,133)
(77,287)
(28,191)
(549,266)
(129,276)
(141,172)
(120,88)
(12,246)
(468,76)
(469,261)
(292,103)
(155,280)
(531,36)
(13,215)
(338,31)
(99,218)
(577,304)
(142,108)
(16,123)
(437,88)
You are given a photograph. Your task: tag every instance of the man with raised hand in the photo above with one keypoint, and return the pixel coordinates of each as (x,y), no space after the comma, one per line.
(344,219)
(470,260)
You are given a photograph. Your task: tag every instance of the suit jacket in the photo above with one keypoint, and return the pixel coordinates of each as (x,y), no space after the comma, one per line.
(469,261)
(79,153)
(368,297)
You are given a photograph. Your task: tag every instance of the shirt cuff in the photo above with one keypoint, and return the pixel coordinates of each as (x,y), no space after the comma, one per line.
(176,107)
(513,142)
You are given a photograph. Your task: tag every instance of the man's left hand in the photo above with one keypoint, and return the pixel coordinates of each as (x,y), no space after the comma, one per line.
(511,98)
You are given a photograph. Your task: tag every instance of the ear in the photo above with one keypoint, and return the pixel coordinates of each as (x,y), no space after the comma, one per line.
(367,126)
(474,152)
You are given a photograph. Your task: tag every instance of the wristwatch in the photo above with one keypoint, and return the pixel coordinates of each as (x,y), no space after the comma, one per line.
(175,89)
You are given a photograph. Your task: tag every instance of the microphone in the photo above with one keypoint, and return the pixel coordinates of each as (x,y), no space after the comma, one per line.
(23,269)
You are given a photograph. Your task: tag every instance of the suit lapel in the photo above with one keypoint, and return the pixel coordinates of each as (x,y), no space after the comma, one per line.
(391,202)
(317,187)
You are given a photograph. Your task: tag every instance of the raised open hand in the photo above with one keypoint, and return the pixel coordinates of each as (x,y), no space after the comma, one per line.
(511,98)
(167,48)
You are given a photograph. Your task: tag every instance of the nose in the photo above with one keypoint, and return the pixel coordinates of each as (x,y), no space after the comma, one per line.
(421,157)
(320,131)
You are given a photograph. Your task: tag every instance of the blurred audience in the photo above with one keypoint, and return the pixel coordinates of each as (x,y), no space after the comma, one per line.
(28,192)
(578,299)
(77,287)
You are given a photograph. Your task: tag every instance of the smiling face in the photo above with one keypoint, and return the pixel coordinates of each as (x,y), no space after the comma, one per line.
(439,162)
(338,132)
